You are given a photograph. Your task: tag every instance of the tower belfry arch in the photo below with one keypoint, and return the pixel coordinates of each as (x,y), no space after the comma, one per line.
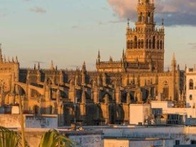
(145,43)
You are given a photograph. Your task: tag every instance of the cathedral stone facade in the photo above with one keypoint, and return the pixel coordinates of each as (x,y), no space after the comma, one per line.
(102,96)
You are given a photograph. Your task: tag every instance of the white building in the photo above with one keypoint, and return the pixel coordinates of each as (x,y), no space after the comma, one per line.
(137,142)
(161,112)
(166,111)
(147,136)
(139,113)
(30,121)
(191,88)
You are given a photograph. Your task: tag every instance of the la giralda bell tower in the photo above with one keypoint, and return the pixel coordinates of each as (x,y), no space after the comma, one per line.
(145,43)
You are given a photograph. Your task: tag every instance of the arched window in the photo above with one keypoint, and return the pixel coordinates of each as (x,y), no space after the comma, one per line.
(128,44)
(142,43)
(135,42)
(190,97)
(150,43)
(153,42)
(151,17)
(131,44)
(140,17)
(165,90)
(147,43)
(148,21)
(157,44)
(191,84)
(139,43)
(36,109)
(161,44)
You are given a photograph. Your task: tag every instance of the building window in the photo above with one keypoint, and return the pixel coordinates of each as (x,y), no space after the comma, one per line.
(161,44)
(147,43)
(131,44)
(193,141)
(157,44)
(142,43)
(177,142)
(135,42)
(128,44)
(191,84)
(140,17)
(153,42)
(190,97)
(139,44)
(150,43)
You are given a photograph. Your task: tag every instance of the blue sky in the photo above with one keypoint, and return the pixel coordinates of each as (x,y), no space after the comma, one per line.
(70,32)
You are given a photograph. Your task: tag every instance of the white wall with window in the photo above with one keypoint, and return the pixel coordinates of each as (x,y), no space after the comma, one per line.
(191,89)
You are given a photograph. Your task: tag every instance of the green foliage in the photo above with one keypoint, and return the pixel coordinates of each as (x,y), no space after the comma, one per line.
(9,138)
(53,138)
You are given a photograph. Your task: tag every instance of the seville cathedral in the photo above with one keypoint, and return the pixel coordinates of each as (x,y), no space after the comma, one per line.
(102,96)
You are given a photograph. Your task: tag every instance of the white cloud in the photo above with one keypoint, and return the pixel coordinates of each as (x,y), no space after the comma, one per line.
(175,12)
(38,10)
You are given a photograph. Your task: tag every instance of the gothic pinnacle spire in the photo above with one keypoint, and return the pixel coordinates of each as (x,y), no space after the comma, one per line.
(173,57)
(51,65)
(38,65)
(128,23)
(123,55)
(4,60)
(34,67)
(1,58)
(16,59)
(98,57)
(173,62)
(84,67)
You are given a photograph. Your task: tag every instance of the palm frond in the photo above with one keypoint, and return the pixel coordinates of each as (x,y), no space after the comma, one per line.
(53,138)
(9,138)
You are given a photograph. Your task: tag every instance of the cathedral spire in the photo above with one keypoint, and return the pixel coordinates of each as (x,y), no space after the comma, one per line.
(84,67)
(1,57)
(34,67)
(4,60)
(98,57)
(16,59)
(51,65)
(128,23)
(13,59)
(38,66)
(123,55)
(173,57)
(111,59)
(173,63)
